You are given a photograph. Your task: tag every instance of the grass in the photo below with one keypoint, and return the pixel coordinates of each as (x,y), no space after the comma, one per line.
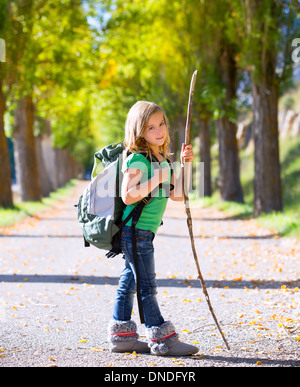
(20,210)
(286,223)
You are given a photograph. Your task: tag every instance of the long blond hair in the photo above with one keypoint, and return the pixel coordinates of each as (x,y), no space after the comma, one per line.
(135,127)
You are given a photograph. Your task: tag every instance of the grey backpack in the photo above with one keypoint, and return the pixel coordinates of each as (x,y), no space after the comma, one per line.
(100,206)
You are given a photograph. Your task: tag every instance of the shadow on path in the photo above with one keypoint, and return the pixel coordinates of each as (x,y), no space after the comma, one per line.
(250,237)
(252,361)
(41,236)
(163,282)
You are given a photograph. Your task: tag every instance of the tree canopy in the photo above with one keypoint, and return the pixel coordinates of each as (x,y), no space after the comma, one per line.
(85,63)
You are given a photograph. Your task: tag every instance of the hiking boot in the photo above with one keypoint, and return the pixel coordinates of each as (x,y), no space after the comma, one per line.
(123,337)
(163,341)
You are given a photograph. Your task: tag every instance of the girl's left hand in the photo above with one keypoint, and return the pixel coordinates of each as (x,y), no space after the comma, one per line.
(187,153)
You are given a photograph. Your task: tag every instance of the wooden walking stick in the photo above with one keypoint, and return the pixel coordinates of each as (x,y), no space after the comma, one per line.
(186,184)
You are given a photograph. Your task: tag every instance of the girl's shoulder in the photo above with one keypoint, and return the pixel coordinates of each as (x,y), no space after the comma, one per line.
(136,160)
(135,157)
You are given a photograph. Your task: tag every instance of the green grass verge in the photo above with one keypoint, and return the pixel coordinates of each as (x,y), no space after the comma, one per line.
(20,210)
(286,223)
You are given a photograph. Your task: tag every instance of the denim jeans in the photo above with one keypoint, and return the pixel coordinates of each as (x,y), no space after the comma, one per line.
(127,285)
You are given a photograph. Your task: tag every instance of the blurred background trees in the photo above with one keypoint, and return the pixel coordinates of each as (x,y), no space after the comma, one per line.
(74,68)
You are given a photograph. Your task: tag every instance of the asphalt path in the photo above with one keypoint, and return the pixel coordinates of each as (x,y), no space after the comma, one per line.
(56,296)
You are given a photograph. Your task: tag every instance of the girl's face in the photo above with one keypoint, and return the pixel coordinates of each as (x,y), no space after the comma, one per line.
(156,131)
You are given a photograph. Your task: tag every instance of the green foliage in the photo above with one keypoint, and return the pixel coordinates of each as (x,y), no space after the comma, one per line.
(287,223)
(87,62)
(263,29)
(53,56)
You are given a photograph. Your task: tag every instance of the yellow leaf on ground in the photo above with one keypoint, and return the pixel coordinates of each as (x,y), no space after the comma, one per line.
(238,279)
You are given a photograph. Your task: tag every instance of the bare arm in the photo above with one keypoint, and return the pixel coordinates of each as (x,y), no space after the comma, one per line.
(133,191)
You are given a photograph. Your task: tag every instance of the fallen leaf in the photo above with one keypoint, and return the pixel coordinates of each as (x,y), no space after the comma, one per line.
(238,279)
(98,349)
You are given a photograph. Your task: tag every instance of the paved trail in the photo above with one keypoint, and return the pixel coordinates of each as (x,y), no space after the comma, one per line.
(56,297)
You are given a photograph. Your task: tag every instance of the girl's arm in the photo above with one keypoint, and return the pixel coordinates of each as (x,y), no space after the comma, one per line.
(132,190)
(187,155)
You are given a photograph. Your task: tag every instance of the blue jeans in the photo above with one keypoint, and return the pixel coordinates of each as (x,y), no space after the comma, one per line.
(127,285)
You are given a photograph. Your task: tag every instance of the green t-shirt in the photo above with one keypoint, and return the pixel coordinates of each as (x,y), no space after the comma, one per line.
(152,213)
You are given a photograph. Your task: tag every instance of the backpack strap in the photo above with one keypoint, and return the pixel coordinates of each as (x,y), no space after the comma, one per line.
(135,219)
(135,215)
(166,186)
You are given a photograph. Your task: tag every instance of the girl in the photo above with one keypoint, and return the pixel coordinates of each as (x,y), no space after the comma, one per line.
(146,132)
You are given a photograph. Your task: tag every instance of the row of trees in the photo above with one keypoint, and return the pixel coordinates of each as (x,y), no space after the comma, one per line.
(81,66)
(242,50)
(44,81)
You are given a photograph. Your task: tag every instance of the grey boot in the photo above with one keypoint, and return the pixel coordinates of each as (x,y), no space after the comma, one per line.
(163,341)
(123,337)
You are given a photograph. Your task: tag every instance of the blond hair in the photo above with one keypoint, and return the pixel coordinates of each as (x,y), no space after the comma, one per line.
(135,127)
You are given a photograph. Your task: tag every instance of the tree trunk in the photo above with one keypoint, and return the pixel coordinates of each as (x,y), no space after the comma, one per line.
(41,162)
(25,153)
(204,135)
(265,21)
(49,155)
(6,198)
(229,180)
(177,137)
(267,182)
